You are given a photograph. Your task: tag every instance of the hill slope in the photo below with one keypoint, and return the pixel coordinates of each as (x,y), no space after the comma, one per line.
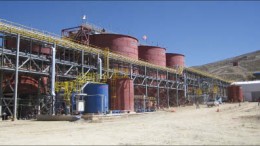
(238,68)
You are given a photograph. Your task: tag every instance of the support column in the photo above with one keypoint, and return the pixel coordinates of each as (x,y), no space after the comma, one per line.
(131,71)
(146,88)
(1,92)
(1,77)
(185,85)
(82,61)
(158,90)
(168,98)
(177,92)
(16,78)
(53,78)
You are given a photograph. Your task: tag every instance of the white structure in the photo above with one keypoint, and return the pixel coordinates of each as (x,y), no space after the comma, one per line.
(251,89)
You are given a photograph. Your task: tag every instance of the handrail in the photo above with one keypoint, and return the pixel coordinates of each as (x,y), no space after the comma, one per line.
(207,74)
(45,36)
(7,26)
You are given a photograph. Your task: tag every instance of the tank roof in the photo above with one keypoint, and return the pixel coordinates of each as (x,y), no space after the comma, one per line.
(116,34)
(175,54)
(151,46)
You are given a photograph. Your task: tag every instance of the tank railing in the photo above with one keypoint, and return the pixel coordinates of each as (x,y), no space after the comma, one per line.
(53,38)
(19,26)
(96,28)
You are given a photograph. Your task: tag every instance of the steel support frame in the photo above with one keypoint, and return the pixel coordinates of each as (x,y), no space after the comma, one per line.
(68,67)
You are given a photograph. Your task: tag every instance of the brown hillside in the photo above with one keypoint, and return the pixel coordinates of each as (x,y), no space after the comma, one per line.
(238,68)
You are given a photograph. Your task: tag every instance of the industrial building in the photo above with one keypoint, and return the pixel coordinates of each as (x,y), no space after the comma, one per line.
(89,70)
(251,90)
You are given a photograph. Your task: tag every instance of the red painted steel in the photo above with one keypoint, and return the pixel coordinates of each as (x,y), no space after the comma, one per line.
(235,93)
(10,43)
(42,50)
(239,93)
(118,43)
(152,54)
(26,84)
(44,88)
(125,91)
(173,59)
(121,94)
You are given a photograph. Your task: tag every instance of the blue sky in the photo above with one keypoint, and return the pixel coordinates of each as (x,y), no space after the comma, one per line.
(204,31)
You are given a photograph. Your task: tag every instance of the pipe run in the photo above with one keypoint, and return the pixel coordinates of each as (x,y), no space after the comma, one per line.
(53,62)
(99,67)
(53,70)
(82,88)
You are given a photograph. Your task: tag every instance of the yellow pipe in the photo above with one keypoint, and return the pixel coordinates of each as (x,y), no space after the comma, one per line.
(64,42)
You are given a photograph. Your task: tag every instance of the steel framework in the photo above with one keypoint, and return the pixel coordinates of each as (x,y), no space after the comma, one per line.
(76,64)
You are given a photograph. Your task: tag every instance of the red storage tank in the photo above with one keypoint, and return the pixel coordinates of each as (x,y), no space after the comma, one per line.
(229,93)
(26,84)
(11,43)
(118,43)
(152,54)
(44,84)
(121,94)
(174,59)
(43,50)
(239,94)
(235,93)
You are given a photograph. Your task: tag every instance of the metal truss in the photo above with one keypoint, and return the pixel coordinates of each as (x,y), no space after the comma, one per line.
(76,64)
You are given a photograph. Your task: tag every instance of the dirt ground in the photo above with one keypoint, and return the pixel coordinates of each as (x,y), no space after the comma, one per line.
(232,125)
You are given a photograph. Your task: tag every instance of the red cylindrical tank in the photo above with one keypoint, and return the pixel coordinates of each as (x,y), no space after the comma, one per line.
(26,84)
(174,59)
(42,50)
(152,54)
(118,43)
(125,91)
(235,93)
(44,84)
(239,94)
(121,94)
(229,93)
(11,43)
(232,93)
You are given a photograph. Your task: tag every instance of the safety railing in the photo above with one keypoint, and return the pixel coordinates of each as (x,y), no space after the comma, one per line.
(7,26)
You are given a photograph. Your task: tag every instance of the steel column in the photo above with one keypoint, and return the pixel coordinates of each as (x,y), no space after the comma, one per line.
(53,78)
(168,98)
(82,61)
(185,85)
(158,90)
(1,77)
(16,78)
(1,92)
(177,92)
(145,72)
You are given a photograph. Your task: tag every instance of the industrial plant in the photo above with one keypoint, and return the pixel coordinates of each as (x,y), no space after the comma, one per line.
(89,70)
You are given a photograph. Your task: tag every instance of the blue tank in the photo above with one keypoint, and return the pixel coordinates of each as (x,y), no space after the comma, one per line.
(96,100)
(73,101)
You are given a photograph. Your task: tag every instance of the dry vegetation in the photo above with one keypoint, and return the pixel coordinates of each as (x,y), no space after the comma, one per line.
(247,64)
